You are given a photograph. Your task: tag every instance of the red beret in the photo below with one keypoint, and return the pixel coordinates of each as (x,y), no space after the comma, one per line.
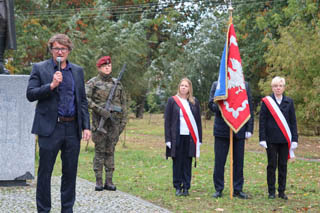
(103,60)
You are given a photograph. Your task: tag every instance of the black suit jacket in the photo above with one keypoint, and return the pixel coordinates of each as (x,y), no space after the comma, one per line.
(269,131)
(46,114)
(172,126)
(221,129)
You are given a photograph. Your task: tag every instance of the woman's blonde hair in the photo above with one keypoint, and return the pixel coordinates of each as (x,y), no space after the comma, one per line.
(278,80)
(190,94)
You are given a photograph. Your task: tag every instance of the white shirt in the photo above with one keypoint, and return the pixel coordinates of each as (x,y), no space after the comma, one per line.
(279,100)
(184,130)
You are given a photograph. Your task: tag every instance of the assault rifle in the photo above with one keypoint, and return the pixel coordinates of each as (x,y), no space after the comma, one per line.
(109,107)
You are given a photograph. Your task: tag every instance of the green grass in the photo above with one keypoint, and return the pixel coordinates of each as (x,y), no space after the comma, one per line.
(142,170)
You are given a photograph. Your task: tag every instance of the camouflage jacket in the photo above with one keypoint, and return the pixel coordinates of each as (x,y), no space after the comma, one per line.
(97,90)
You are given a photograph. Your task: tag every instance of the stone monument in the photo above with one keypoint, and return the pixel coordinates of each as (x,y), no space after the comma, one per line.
(17,144)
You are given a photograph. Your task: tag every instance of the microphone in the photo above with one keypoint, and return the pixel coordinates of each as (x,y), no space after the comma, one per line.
(59,63)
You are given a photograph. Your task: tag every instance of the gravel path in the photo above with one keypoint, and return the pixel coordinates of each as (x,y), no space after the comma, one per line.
(22,199)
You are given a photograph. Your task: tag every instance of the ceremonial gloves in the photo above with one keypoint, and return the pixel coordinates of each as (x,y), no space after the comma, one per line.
(168,144)
(294,145)
(248,135)
(263,144)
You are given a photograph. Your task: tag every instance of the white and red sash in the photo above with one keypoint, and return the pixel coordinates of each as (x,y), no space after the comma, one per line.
(191,123)
(281,121)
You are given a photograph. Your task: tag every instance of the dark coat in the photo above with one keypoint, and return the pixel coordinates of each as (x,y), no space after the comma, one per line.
(172,126)
(11,28)
(46,114)
(269,131)
(221,129)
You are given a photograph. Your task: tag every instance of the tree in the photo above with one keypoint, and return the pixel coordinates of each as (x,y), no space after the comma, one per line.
(300,67)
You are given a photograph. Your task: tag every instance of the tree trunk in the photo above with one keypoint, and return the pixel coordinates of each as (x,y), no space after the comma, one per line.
(208,115)
(140,107)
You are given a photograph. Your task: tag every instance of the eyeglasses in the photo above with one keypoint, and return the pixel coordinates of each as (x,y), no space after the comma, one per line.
(56,50)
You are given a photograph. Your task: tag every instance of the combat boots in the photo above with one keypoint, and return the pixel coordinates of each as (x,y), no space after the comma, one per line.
(109,185)
(99,184)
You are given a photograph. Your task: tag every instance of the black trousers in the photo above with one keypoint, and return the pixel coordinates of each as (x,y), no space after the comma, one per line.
(182,164)
(65,138)
(221,149)
(277,157)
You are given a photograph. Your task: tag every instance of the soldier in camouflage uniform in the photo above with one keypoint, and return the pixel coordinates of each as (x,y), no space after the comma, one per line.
(98,89)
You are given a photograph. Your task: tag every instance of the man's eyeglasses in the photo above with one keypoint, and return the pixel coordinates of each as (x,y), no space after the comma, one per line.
(56,50)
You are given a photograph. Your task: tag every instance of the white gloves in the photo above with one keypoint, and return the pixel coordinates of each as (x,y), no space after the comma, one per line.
(248,135)
(168,144)
(263,144)
(294,145)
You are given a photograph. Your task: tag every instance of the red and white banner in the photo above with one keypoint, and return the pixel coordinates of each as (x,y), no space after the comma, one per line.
(191,123)
(233,103)
(280,120)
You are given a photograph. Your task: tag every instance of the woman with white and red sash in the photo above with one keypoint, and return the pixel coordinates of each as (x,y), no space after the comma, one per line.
(278,135)
(183,134)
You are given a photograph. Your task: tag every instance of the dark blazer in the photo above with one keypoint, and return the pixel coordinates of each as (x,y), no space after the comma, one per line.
(269,131)
(221,129)
(46,114)
(172,126)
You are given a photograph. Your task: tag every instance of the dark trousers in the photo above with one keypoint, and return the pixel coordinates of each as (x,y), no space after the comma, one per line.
(221,148)
(65,138)
(182,164)
(277,157)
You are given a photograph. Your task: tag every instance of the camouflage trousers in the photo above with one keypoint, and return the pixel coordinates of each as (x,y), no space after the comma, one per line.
(104,149)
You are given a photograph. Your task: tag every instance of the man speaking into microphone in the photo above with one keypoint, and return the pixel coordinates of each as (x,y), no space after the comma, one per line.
(61,120)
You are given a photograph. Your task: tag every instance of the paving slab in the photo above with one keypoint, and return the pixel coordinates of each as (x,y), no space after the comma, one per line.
(23,199)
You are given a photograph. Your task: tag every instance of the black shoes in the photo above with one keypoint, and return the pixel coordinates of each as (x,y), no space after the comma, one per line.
(283,196)
(109,185)
(185,192)
(179,192)
(240,194)
(217,194)
(99,186)
(271,196)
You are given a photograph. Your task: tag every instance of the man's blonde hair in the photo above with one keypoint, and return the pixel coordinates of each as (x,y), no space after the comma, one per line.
(190,94)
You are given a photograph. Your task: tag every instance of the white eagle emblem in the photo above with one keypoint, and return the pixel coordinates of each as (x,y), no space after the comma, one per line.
(236,77)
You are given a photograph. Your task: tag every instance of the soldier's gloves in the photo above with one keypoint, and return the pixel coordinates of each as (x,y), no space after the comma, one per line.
(248,135)
(168,144)
(294,145)
(263,144)
(104,113)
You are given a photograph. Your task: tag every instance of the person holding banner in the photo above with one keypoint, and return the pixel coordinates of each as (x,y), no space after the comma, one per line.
(277,128)
(183,134)
(221,147)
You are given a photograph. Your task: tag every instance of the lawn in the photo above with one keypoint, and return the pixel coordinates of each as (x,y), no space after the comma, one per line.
(142,170)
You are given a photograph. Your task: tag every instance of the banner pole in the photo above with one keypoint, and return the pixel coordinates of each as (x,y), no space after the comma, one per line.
(231,164)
